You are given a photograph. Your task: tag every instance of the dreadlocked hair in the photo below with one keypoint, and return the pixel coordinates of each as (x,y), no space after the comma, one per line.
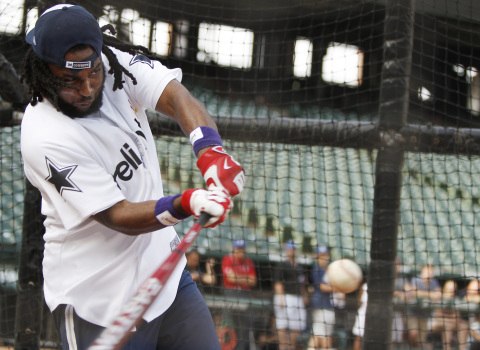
(43,84)
(40,81)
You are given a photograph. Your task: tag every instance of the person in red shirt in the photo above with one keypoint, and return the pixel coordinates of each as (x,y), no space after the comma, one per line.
(239,277)
(238,270)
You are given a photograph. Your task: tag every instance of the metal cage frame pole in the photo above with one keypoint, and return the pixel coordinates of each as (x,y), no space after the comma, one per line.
(393,111)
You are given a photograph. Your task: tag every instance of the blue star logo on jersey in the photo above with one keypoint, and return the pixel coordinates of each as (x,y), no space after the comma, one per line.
(142,59)
(60,177)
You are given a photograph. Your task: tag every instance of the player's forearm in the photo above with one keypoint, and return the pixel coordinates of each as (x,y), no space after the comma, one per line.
(177,103)
(191,113)
(137,218)
(216,165)
(130,218)
(134,218)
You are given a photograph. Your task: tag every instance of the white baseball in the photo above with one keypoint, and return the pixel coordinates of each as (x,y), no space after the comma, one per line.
(344,275)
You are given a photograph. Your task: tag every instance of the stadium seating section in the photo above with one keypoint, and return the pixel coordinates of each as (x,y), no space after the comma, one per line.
(316,195)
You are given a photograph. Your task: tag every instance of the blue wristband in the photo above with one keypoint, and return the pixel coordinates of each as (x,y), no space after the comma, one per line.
(166,214)
(204,136)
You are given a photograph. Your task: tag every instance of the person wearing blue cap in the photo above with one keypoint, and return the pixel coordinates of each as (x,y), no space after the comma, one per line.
(290,298)
(323,314)
(239,277)
(238,270)
(88,148)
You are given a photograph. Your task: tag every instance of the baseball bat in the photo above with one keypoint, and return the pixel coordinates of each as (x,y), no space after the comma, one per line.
(114,336)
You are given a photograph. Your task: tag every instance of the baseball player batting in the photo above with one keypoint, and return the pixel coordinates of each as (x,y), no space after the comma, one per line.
(88,148)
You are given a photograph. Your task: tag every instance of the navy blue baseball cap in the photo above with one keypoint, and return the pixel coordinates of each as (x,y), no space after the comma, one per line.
(62,27)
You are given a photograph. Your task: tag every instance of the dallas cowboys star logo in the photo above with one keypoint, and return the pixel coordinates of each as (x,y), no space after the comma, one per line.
(60,178)
(141,58)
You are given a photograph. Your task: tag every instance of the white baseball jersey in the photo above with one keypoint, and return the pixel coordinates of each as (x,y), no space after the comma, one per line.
(83,166)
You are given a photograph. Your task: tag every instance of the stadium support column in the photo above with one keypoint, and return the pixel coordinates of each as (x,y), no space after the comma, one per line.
(399,23)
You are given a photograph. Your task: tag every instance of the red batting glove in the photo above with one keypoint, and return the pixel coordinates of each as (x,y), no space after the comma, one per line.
(216,202)
(220,169)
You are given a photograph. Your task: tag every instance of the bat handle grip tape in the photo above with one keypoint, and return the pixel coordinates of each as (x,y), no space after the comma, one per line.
(203,218)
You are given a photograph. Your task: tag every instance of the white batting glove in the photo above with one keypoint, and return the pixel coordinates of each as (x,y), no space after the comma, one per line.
(215,201)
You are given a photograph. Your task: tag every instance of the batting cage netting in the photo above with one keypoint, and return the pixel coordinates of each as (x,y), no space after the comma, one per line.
(357,123)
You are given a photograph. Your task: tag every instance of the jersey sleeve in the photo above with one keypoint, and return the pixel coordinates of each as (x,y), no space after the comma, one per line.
(152,77)
(64,166)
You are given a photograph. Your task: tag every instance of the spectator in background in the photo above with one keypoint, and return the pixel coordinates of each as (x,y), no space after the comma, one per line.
(343,324)
(323,314)
(424,286)
(472,292)
(267,337)
(238,271)
(475,332)
(345,306)
(290,298)
(202,277)
(471,297)
(359,326)
(239,277)
(402,284)
(447,321)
